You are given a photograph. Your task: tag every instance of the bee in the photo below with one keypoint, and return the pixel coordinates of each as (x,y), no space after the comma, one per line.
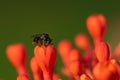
(42,39)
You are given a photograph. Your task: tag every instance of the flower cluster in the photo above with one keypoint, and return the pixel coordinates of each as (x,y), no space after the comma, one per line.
(94,63)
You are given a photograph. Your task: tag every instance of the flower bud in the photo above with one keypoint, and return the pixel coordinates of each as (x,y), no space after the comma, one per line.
(82,41)
(76,68)
(102,52)
(37,73)
(96,24)
(45,56)
(34,65)
(74,55)
(16,54)
(117,51)
(64,47)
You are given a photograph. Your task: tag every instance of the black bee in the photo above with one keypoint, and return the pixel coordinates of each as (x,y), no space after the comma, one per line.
(42,39)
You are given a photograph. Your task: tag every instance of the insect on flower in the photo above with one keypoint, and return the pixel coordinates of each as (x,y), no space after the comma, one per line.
(45,54)
(42,39)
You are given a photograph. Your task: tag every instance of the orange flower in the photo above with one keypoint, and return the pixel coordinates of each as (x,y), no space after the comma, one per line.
(116,64)
(96,24)
(82,41)
(46,58)
(117,52)
(76,69)
(74,55)
(16,54)
(102,52)
(106,71)
(66,71)
(37,73)
(64,48)
(46,55)
(22,77)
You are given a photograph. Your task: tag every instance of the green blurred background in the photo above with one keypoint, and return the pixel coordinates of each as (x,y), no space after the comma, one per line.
(60,18)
